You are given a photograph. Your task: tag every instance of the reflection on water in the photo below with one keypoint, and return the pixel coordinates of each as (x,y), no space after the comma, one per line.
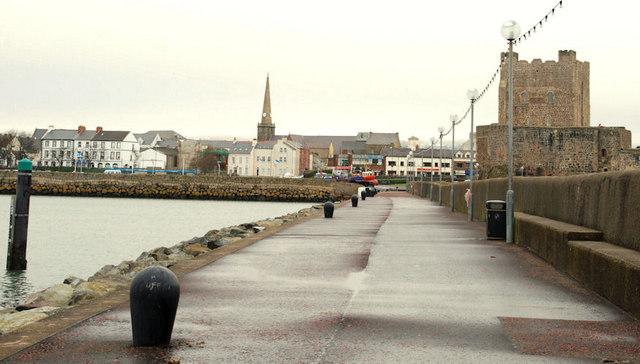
(76,236)
(14,287)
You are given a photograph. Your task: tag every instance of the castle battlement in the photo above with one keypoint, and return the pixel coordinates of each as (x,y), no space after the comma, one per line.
(549,93)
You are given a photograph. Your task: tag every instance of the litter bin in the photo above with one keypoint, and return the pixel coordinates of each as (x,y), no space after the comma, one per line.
(496,219)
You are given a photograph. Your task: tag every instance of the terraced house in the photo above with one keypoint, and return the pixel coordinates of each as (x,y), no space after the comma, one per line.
(95,149)
(58,148)
(114,149)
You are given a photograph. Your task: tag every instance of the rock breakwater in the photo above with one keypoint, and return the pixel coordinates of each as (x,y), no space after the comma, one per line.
(182,187)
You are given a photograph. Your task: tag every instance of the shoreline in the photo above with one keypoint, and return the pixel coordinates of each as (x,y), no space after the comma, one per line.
(109,286)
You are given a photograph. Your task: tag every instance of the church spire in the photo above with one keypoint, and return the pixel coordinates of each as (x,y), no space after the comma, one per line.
(266,107)
(266,128)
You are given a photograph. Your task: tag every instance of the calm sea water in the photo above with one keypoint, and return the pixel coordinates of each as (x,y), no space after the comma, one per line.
(76,236)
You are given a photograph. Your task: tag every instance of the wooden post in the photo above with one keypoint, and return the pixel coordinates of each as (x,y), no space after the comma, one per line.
(17,252)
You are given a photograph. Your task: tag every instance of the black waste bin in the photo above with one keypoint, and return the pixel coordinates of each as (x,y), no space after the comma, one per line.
(496,219)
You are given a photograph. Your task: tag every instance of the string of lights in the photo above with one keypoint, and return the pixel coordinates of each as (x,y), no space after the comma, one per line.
(533,29)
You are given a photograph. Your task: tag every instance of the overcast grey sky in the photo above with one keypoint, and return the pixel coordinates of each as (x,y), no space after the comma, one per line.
(336,67)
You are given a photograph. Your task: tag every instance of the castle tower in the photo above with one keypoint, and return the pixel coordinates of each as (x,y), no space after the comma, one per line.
(266,128)
(549,94)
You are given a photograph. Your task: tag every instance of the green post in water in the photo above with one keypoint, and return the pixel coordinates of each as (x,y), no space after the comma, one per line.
(17,252)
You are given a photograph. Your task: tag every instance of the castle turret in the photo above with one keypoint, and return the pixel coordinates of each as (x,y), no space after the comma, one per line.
(549,94)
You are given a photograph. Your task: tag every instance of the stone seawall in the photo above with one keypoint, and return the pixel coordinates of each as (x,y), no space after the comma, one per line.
(608,202)
(182,187)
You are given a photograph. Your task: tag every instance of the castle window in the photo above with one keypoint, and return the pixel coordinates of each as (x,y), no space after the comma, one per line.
(550,97)
(603,152)
(548,120)
(524,98)
(528,121)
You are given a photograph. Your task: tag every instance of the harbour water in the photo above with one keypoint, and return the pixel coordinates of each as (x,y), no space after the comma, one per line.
(76,236)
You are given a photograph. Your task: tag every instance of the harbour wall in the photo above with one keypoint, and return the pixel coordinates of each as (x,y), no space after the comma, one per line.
(608,202)
(181,187)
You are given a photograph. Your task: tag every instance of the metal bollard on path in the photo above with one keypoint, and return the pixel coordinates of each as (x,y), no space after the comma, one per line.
(328,209)
(354,201)
(154,297)
(363,194)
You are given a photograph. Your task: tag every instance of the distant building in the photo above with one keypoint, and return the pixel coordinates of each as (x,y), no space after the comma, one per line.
(151,159)
(58,147)
(241,160)
(114,149)
(82,142)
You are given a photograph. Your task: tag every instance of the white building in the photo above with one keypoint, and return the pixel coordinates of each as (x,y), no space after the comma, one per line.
(241,160)
(279,158)
(263,158)
(58,147)
(286,158)
(151,159)
(114,149)
(82,149)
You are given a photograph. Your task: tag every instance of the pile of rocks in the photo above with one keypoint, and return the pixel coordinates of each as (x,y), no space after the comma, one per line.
(75,290)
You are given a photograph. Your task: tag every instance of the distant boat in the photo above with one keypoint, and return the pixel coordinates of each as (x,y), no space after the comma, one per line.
(365,178)
(322,175)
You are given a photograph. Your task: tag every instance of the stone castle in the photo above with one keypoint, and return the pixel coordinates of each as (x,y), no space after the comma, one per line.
(551,120)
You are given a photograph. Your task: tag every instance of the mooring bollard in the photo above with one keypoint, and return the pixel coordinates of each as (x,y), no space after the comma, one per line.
(328,209)
(154,296)
(363,195)
(354,201)
(17,252)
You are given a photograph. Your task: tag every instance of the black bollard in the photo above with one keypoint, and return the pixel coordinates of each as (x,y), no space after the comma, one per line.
(328,209)
(354,201)
(17,252)
(363,194)
(154,296)
(368,191)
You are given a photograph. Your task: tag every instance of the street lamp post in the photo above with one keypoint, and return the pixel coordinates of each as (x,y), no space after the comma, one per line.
(407,172)
(433,142)
(472,94)
(421,171)
(440,130)
(409,176)
(453,118)
(510,31)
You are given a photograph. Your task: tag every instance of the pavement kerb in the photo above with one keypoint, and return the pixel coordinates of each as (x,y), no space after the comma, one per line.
(33,333)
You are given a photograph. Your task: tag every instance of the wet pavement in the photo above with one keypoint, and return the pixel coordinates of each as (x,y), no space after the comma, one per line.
(397,279)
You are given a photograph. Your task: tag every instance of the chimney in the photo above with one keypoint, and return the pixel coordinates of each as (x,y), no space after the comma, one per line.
(81,128)
(98,129)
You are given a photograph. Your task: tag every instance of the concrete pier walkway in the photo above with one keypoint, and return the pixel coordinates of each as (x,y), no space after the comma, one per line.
(397,279)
